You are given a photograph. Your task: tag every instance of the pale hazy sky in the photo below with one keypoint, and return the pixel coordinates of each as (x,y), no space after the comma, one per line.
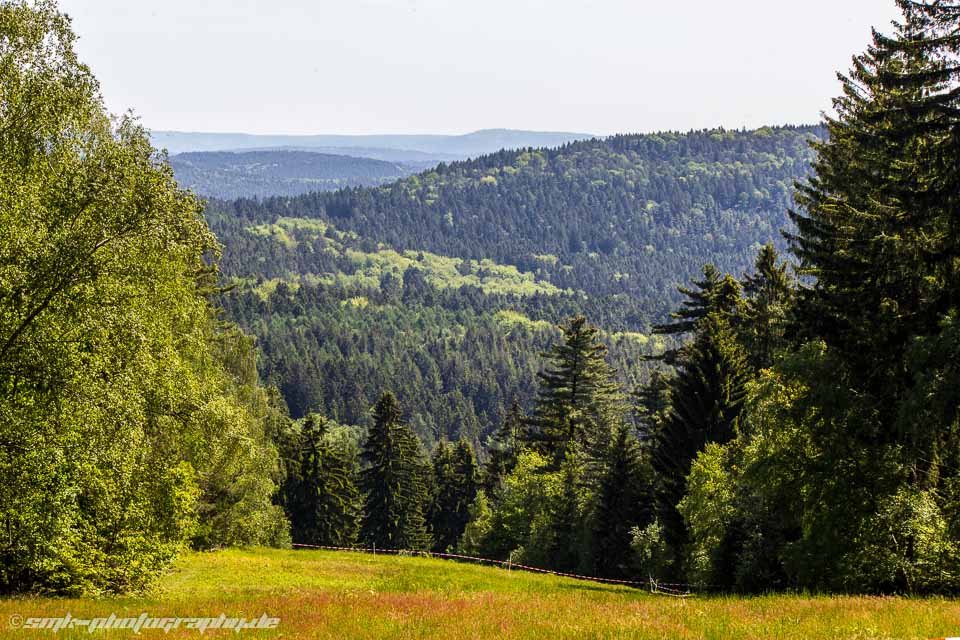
(453,66)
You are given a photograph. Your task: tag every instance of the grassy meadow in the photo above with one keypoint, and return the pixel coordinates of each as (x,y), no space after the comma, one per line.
(319,594)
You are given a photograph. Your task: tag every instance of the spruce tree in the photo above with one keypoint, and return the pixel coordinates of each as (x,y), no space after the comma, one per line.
(324,501)
(652,404)
(879,223)
(455,488)
(699,302)
(579,401)
(706,400)
(714,293)
(442,512)
(502,453)
(395,482)
(468,474)
(566,521)
(878,235)
(701,403)
(623,501)
(769,293)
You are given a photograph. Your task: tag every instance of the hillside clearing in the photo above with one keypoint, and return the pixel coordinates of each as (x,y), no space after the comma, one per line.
(319,594)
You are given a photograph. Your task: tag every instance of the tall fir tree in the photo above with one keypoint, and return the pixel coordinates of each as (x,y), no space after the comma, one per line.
(579,401)
(455,488)
(699,302)
(878,234)
(706,398)
(566,546)
(680,414)
(879,222)
(468,472)
(503,449)
(714,293)
(769,293)
(395,481)
(846,475)
(441,514)
(623,501)
(652,405)
(323,500)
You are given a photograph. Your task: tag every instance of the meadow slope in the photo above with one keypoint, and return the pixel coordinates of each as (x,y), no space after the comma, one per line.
(346,595)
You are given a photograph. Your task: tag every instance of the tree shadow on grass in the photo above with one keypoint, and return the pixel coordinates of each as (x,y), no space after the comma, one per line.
(586,587)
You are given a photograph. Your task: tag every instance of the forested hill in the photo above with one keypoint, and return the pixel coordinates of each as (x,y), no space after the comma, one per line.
(446,285)
(222,174)
(633,214)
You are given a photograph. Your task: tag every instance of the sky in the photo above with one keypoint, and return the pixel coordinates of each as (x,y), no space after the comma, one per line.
(455,66)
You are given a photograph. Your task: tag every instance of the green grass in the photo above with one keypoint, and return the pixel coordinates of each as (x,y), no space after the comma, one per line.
(348,595)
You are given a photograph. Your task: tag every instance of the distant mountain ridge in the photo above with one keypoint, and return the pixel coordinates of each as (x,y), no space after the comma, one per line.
(228,174)
(438,147)
(415,159)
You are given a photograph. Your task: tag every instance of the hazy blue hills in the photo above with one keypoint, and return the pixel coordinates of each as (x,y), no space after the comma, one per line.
(222,174)
(422,147)
(416,159)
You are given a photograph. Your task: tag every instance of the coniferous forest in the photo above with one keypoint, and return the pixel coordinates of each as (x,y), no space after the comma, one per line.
(722,359)
(445,287)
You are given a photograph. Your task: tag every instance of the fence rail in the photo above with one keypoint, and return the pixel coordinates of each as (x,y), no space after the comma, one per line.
(674,589)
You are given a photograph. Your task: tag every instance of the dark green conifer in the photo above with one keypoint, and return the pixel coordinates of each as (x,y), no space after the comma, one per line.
(878,233)
(566,521)
(579,401)
(769,293)
(699,302)
(711,294)
(653,404)
(468,473)
(324,502)
(623,501)
(395,481)
(442,512)
(502,453)
(455,488)
(706,400)
(879,225)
